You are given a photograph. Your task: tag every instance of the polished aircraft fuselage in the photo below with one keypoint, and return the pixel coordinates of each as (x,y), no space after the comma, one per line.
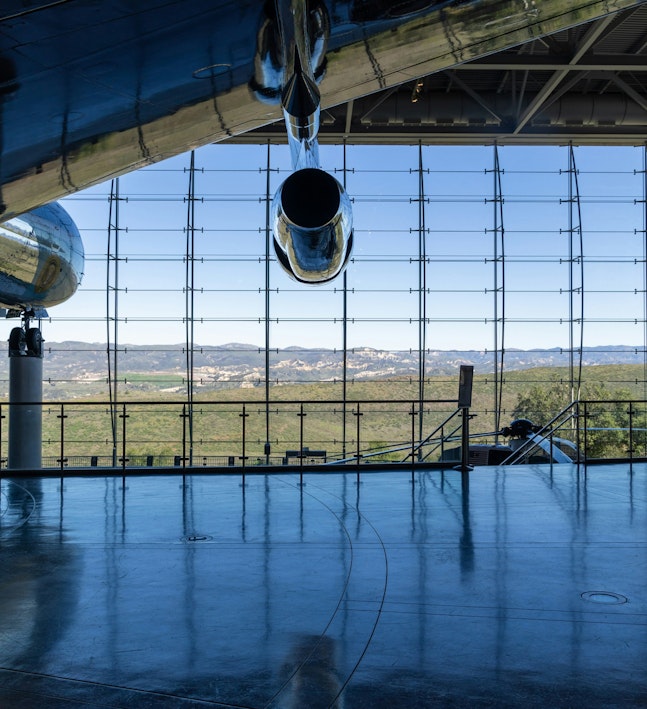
(41,259)
(90,90)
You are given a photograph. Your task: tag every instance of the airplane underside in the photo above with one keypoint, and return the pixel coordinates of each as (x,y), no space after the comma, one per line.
(89,90)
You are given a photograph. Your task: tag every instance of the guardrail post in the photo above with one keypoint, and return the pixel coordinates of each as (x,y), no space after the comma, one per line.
(586,436)
(244,416)
(465,466)
(123,416)
(301,415)
(413,413)
(358,414)
(62,460)
(577,430)
(184,417)
(552,450)
(464,402)
(631,437)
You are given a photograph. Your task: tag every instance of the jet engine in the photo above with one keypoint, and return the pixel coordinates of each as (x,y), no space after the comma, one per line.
(311,214)
(312,223)
(41,259)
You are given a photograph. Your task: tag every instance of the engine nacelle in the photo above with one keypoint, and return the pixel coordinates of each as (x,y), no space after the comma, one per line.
(312,221)
(41,258)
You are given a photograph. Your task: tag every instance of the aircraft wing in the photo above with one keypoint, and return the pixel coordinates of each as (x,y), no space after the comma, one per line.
(90,90)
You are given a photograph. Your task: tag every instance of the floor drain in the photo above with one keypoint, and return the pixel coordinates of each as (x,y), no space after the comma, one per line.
(197,538)
(608,597)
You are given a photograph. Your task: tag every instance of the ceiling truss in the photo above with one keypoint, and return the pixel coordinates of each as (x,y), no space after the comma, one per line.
(585,85)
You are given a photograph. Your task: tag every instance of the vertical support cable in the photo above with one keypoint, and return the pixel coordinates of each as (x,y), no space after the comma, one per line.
(570,272)
(112,310)
(498,291)
(575,279)
(344,339)
(643,201)
(268,231)
(422,292)
(189,312)
(644,225)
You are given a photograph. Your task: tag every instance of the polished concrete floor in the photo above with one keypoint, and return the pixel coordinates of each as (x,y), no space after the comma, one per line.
(514,587)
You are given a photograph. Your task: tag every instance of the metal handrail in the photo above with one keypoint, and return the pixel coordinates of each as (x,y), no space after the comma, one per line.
(71,453)
(432,435)
(212,453)
(547,431)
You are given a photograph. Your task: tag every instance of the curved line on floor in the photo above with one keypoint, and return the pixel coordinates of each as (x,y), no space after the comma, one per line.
(378,614)
(7,511)
(339,602)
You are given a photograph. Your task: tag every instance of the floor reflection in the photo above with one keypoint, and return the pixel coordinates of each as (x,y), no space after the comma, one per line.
(40,575)
(458,587)
(312,676)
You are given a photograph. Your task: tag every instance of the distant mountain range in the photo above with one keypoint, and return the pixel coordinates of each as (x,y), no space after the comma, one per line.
(236,364)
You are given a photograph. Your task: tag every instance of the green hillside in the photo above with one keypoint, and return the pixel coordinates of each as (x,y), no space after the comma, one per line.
(155,424)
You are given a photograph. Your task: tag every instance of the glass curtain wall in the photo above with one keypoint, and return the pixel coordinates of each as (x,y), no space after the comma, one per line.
(527,262)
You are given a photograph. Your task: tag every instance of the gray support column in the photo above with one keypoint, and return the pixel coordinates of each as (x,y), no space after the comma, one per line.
(25,410)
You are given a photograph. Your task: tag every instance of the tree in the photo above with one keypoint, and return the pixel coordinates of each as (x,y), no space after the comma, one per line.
(607,423)
(540,404)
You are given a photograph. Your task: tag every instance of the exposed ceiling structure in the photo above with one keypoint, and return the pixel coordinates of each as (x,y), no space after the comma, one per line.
(586,85)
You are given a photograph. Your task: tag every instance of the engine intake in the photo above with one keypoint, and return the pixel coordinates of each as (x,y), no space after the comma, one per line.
(312,222)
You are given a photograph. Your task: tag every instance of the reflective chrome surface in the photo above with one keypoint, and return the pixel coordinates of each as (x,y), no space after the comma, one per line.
(302,122)
(274,58)
(311,214)
(300,96)
(89,90)
(312,221)
(522,587)
(41,258)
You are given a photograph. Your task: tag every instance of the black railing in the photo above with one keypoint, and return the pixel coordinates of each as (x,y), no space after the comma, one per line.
(154,434)
(232,434)
(590,431)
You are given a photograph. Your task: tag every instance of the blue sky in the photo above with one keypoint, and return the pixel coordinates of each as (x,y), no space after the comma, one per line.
(383,276)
